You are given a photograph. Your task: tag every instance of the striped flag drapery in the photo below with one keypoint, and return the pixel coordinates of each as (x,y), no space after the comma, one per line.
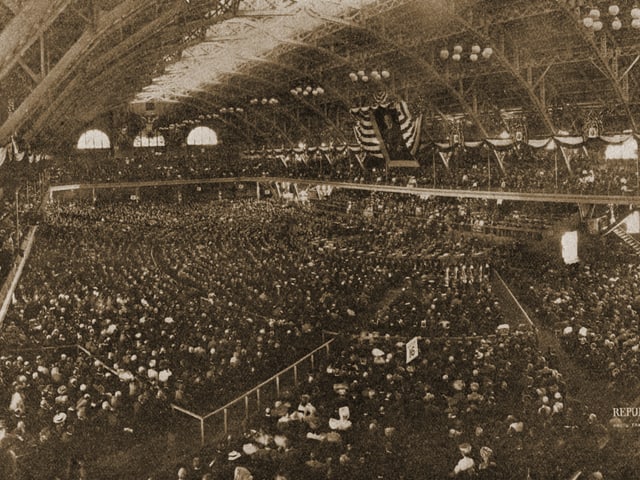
(378,126)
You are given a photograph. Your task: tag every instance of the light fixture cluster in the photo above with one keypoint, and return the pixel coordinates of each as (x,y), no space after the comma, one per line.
(474,54)
(306,91)
(224,110)
(375,75)
(264,101)
(595,20)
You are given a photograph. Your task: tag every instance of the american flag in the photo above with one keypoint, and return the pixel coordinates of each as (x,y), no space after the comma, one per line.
(365,131)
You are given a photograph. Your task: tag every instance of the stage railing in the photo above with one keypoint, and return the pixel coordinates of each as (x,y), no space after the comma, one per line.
(232,417)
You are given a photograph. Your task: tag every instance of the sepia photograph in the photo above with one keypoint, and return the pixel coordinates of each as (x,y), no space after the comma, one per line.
(319,239)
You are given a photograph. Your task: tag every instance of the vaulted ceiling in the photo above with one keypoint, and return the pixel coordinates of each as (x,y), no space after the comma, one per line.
(67,65)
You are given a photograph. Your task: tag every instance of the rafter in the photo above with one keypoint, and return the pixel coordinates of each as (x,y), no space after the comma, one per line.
(247,92)
(604,63)
(25,29)
(200,104)
(12,5)
(102,69)
(528,86)
(44,91)
(425,66)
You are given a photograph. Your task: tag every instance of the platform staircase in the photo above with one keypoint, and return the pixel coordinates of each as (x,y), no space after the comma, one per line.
(626,238)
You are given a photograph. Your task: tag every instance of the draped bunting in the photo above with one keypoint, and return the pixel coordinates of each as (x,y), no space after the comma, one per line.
(549,142)
(366,137)
(542,143)
(568,145)
(615,139)
(500,142)
(569,141)
(395,139)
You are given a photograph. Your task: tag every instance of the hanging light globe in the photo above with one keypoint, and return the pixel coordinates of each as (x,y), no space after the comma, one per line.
(305,93)
(365,78)
(361,73)
(616,24)
(476,49)
(473,57)
(587,22)
(444,54)
(594,13)
(457,49)
(385,73)
(294,91)
(635,12)
(487,52)
(456,57)
(320,91)
(614,10)
(353,77)
(264,101)
(597,25)
(635,23)
(375,75)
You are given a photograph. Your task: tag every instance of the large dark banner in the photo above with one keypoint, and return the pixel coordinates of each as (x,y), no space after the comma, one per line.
(388,123)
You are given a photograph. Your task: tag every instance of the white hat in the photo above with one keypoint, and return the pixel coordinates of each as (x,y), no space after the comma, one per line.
(59,418)
(234,455)
(465,448)
(465,463)
(249,448)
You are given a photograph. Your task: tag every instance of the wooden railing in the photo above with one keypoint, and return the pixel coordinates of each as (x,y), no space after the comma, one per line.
(237,411)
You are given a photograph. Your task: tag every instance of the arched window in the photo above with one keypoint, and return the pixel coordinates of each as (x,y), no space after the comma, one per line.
(144,141)
(93,140)
(628,150)
(202,136)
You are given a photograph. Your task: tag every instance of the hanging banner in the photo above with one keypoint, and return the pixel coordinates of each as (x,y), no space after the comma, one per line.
(445,156)
(412,349)
(500,154)
(566,152)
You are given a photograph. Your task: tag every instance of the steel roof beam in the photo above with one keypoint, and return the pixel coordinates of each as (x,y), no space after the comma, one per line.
(90,39)
(23,30)
(605,65)
(425,66)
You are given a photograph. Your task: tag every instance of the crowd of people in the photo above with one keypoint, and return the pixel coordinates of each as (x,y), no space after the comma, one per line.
(488,407)
(129,306)
(594,308)
(520,171)
(176,302)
